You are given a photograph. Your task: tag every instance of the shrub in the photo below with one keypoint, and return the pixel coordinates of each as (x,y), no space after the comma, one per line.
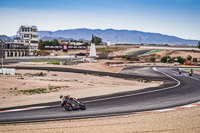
(194,59)
(164,59)
(189,58)
(152,59)
(181,60)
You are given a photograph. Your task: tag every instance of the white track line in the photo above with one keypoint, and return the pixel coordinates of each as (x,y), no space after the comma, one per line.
(155,69)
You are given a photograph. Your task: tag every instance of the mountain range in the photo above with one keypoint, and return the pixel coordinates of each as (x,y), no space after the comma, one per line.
(117,36)
(5,38)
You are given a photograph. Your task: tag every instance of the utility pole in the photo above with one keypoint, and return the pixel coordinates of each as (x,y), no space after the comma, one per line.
(1,42)
(117,39)
(50,33)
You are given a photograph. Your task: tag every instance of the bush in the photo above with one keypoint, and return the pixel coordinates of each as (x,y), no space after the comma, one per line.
(189,58)
(131,58)
(181,60)
(194,59)
(168,59)
(152,59)
(164,59)
(34,91)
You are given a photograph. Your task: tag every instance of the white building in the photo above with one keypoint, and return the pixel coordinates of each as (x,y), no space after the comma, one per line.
(109,43)
(29,36)
(24,44)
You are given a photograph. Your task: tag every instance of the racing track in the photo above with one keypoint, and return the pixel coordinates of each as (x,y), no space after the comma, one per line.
(177,90)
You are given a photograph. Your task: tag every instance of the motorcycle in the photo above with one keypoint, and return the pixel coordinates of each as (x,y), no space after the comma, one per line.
(190,73)
(73,104)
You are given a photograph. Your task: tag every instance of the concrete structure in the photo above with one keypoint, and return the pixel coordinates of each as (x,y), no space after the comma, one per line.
(24,44)
(109,43)
(2,47)
(93,53)
(15,49)
(92,50)
(29,36)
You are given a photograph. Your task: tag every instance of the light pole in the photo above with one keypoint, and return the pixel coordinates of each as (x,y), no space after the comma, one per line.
(1,54)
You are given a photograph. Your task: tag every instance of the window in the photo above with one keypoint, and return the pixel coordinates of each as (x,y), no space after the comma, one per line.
(35,36)
(26,35)
(34,41)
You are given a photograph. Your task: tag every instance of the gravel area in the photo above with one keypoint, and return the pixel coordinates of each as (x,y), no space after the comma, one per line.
(22,87)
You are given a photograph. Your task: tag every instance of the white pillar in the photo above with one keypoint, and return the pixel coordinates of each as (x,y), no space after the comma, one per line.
(92,50)
(17,54)
(13,53)
(6,54)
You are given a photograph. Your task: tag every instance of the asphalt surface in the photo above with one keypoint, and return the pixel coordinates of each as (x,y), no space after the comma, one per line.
(177,90)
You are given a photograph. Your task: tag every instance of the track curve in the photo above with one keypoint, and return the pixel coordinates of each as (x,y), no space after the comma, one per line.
(177,90)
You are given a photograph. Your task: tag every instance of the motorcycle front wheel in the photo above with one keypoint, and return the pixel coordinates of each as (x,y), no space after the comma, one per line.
(82,106)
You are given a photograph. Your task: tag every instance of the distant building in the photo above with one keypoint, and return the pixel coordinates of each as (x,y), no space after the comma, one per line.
(15,49)
(64,42)
(25,43)
(29,36)
(109,43)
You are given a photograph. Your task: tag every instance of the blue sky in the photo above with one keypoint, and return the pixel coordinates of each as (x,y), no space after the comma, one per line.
(179,18)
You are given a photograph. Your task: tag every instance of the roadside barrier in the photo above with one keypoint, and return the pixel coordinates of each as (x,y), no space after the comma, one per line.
(7,71)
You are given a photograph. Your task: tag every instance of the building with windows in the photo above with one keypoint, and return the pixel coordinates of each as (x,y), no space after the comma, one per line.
(25,43)
(15,49)
(29,36)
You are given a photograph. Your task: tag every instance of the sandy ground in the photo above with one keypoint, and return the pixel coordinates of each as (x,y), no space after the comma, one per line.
(179,121)
(100,66)
(184,54)
(173,53)
(76,85)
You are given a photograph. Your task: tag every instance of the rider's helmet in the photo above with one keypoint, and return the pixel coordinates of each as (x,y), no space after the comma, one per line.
(67,97)
(61,96)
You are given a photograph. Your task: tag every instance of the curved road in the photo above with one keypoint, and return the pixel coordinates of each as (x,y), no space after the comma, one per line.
(177,90)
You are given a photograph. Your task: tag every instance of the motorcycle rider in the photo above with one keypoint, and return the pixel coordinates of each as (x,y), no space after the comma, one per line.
(70,103)
(190,72)
(65,99)
(179,71)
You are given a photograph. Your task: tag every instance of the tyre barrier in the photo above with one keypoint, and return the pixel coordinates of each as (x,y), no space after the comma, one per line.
(7,71)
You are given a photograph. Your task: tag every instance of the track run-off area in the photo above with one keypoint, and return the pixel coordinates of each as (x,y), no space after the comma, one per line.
(176,92)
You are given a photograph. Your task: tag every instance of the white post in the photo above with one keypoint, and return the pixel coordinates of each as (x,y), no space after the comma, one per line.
(6,54)
(13,53)
(92,50)
(1,54)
